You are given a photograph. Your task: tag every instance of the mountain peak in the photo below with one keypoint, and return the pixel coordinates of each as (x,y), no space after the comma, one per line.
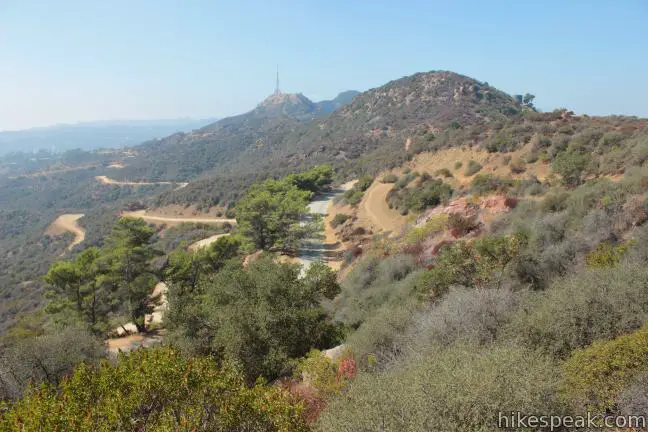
(279,98)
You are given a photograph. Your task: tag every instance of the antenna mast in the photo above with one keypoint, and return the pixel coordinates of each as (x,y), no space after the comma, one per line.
(277,91)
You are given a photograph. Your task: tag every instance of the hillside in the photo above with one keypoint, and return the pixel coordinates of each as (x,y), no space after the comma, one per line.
(483,257)
(367,134)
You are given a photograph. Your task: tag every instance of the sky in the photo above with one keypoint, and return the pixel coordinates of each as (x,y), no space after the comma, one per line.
(73,61)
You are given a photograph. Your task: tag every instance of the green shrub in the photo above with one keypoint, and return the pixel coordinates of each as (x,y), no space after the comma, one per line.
(571,166)
(428,193)
(531,157)
(434,225)
(46,359)
(460,225)
(404,180)
(606,255)
(517,166)
(577,310)
(443,172)
(353,197)
(458,165)
(483,184)
(373,283)
(320,372)
(474,264)
(266,315)
(459,388)
(339,219)
(473,168)
(378,342)
(363,183)
(554,202)
(463,314)
(155,389)
(595,376)
(390,178)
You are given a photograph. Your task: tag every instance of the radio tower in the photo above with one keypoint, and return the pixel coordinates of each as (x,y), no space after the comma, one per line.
(277,91)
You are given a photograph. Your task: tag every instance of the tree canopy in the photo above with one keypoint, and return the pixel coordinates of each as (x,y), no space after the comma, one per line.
(264,315)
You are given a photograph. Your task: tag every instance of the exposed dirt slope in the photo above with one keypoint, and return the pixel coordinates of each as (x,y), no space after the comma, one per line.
(67,223)
(493,163)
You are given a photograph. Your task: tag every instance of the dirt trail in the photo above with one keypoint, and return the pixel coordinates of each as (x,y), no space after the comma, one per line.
(108,181)
(205,242)
(175,220)
(374,210)
(67,223)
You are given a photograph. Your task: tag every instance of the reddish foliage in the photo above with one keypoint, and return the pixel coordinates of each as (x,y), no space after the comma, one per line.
(347,369)
(315,403)
(511,202)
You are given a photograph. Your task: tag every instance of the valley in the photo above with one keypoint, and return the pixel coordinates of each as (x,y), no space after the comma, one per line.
(339,249)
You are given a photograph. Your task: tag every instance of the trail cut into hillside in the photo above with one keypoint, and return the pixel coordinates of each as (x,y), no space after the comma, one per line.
(173,220)
(205,242)
(108,181)
(67,223)
(374,212)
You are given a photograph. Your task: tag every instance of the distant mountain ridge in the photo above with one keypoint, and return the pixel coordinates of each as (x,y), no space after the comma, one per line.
(93,135)
(288,132)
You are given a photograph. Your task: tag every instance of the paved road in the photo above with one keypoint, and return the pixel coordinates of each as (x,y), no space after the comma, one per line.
(314,249)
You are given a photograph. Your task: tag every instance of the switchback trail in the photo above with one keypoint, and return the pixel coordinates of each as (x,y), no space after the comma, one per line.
(67,223)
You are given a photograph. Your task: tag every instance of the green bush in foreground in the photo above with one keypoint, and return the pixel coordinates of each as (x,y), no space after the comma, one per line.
(459,388)
(155,390)
(575,311)
(596,375)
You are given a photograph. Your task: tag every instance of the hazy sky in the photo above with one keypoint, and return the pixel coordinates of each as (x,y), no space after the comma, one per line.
(68,61)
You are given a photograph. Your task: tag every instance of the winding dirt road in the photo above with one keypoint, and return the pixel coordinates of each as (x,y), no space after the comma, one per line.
(108,181)
(375,211)
(67,223)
